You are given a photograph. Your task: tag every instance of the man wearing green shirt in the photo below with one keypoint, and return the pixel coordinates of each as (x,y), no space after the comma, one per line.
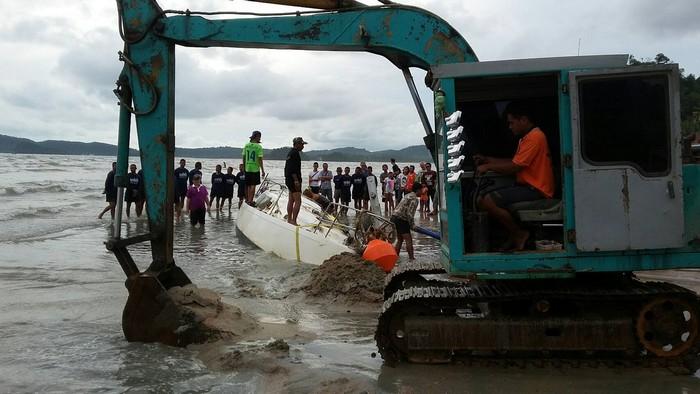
(253,165)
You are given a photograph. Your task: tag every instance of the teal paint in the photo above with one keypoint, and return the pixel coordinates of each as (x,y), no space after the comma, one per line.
(566,145)
(124,135)
(691,203)
(407,36)
(566,263)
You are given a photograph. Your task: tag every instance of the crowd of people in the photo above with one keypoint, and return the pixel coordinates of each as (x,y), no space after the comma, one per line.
(393,184)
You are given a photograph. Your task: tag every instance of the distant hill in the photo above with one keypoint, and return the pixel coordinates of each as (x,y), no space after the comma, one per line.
(9,144)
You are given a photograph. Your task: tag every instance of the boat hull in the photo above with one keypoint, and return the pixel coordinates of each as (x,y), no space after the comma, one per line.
(296,243)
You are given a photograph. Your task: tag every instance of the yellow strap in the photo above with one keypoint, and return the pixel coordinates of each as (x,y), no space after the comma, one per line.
(297,239)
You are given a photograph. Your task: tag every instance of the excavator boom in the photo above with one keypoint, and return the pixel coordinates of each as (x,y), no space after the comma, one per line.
(406,36)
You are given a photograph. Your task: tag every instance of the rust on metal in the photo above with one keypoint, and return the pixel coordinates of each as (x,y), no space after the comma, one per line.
(446,42)
(387,25)
(311,33)
(625,193)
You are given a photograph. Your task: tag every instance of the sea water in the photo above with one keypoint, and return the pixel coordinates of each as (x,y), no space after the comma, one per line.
(62,295)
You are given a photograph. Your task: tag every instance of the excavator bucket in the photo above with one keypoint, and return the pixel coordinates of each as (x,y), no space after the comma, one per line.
(150,313)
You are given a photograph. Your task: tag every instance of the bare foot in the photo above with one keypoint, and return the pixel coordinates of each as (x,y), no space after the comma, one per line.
(519,239)
(100,216)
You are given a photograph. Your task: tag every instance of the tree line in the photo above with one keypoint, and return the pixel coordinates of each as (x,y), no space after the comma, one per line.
(689,94)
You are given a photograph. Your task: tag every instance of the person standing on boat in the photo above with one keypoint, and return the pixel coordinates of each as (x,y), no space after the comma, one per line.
(229,182)
(182,176)
(253,164)
(110,192)
(326,182)
(292,179)
(240,181)
(315,179)
(403,219)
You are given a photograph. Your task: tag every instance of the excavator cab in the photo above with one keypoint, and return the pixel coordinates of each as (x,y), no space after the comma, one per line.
(621,191)
(625,200)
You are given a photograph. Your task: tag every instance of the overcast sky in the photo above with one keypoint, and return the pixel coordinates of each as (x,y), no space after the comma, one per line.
(59,64)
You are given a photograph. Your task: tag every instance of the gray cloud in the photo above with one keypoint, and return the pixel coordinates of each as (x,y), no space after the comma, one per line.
(62,69)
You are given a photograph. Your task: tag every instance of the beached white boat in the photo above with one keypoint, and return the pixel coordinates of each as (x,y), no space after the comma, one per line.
(318,236)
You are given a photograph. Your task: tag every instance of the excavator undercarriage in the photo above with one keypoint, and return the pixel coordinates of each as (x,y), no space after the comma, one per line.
(613,319)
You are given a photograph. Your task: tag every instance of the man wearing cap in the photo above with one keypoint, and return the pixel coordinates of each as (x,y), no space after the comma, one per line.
(253,165)
(292,178)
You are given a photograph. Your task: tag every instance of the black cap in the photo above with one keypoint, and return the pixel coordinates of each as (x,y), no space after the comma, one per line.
(255,134)
(299,140)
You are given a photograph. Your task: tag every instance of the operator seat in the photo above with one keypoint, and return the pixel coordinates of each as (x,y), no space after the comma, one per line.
(544,210)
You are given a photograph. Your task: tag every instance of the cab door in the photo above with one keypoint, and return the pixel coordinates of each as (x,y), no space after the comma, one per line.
(628,190)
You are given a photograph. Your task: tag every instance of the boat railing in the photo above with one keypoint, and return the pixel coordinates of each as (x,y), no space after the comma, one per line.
(366,222)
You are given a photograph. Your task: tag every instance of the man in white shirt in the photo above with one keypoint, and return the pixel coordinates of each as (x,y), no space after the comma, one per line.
(315,179)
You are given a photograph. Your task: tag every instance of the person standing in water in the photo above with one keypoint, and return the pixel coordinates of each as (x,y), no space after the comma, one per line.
(142,194)
(327,182)
(197,170)
(217,188)
(229,182)
(403,219)
(133,190)
(110,192)
(197,203)
(359,186)
(182,176)
(346,191)
(240,181)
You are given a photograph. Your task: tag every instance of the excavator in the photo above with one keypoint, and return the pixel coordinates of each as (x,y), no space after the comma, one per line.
(626,197)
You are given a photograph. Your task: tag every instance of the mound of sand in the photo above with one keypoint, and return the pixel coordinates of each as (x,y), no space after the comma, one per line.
(346,278)
(205,318)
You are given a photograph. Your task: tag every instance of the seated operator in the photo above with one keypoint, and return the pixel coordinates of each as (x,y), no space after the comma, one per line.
(532,166)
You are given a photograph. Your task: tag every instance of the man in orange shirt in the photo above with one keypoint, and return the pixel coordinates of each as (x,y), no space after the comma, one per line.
(532,166)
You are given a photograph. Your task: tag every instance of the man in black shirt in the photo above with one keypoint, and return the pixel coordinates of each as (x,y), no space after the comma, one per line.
(292,178)
(196,171)
(181,177)
(110,192)
(217,188)
(229,182)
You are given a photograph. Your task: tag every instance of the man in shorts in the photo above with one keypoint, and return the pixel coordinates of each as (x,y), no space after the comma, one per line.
(240,181)
(346,191)
(292,179)
(430,180)
(338,184)
(253,164)
(532,166)
(110,192)
(403,219)
(182,176)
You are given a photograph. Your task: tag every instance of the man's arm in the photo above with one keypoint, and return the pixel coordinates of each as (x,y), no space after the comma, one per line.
(502,166)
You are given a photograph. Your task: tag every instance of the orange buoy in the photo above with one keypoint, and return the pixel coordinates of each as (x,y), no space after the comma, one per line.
(382,253)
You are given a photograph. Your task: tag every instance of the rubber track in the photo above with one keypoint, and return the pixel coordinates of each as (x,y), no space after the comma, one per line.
(451,295)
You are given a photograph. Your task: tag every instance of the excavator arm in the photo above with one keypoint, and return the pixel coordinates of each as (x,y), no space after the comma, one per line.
(406,36)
